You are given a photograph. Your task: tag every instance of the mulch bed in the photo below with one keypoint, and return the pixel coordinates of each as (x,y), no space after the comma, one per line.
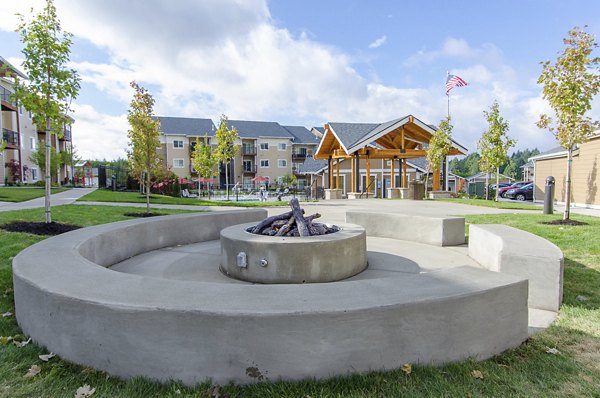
(565,222)
(142,215)
(39,228)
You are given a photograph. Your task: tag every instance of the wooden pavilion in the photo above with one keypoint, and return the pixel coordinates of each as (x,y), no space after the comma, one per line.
(395,140)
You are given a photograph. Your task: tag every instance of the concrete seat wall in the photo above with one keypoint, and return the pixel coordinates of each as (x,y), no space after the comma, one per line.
(512,251)
(438,231)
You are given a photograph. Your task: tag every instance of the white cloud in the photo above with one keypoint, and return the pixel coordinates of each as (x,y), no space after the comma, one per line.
(378,42)
(201,59)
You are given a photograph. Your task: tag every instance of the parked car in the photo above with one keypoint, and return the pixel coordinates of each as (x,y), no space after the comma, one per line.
(523,193)
(501,185)
(502,191)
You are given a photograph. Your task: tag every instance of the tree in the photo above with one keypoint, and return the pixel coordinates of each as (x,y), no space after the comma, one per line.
(203,160)
(494,145)
(570,86)
(226,149)
(439,147)
(143,135)
(38,157)
(51,85)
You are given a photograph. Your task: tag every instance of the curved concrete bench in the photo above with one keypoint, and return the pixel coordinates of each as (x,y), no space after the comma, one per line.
(438,231)
(512,251)
(130,325)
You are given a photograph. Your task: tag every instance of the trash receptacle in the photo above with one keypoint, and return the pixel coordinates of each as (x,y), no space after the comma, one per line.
(418,189)
(549,195)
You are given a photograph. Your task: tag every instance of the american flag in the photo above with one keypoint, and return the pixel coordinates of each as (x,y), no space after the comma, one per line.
(454,81)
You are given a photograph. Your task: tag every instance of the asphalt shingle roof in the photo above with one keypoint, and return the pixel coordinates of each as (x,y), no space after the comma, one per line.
(186,126)
(311,165)
(302,135)
(350,133)
(253,129)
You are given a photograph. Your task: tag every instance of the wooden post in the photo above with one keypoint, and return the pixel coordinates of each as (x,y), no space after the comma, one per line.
(368,182)
(436,179)
(404,176)
(337,175)
(393,183)
(330,173)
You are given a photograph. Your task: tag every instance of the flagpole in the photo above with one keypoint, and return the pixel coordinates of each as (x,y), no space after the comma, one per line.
(448,94)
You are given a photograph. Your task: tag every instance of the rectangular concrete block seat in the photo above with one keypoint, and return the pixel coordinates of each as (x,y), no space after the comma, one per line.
(438,231)
(512,251)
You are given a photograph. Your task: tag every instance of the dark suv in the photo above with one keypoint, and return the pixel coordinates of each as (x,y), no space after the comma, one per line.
(502,191)
(523,193)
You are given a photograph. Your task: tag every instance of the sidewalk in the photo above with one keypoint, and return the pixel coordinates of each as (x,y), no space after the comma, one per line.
(62,198)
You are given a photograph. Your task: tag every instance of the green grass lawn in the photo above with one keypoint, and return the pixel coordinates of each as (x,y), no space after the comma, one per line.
(528,371)
(103,195)
(492,203)
(21,194)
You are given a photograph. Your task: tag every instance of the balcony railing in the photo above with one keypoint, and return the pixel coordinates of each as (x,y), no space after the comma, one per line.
(248,150)
(5,96)
(298,155)
(249,169)
(11,138)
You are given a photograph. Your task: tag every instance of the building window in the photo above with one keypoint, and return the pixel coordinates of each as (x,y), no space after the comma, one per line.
(264,163)
(32,143)
(29,115)
(178,144)
(178,164)
(264,146)
(281,163)
(34,174)
(20,110)
(282,146)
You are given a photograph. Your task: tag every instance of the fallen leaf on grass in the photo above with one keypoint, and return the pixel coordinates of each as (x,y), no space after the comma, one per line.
(47,357)
(6,314)
(9,290)
(406,368)
(581,298)
(503,365)
(85,392)
(4,340)
(477,374)
(33,370)
(21,344)
(553,351)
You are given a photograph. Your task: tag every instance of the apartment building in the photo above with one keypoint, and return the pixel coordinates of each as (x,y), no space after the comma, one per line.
(22,137)
(266,149)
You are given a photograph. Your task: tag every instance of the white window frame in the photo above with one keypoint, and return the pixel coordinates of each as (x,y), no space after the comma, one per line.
(280,165)
(176,162)
(34,174)
(264,165)
(32,143)
(282,146)
(176,146)
(261,146)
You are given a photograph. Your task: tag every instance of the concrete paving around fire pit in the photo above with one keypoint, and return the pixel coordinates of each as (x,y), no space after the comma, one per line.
(171,314)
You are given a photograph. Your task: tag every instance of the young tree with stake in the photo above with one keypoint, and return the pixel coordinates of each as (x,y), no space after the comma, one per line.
(143,135)
(203,160)
(439,147)
(226,149)
(570,86)
(494,145)
(50,85)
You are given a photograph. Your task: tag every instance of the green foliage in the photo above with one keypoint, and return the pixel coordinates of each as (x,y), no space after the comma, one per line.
(439,147)
(466,166)
(143,135)
(289,179)
(38,157)
(203,160)
(226,148)
(51,85)
(569,86)
(16,194)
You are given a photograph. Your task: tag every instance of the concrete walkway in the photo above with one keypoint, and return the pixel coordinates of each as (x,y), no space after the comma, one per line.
(62,198)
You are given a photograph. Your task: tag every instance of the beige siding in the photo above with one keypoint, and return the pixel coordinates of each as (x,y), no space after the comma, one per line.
(585,179)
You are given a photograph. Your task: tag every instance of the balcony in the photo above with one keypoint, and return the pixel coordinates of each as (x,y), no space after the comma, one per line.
(66,134)
(8,104)
(11,138)
(249,169)
(248,150)
(298,156)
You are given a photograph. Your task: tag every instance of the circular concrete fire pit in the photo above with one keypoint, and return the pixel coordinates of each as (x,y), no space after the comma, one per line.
(293,259)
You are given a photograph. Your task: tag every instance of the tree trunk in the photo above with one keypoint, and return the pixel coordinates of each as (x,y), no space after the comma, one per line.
(487,186)
(426,182)
(567,213)
(227,179)
(147,192)
(497,181)
(47,178)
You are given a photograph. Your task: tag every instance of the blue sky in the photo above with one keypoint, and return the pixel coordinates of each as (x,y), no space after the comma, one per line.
(310,62)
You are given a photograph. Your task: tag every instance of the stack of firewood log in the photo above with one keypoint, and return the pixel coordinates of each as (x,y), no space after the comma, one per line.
(292,223)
